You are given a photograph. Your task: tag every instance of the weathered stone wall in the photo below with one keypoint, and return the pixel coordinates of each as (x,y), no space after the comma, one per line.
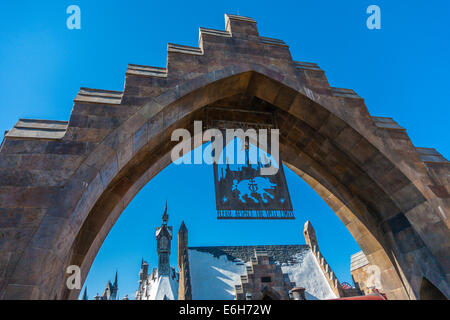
(63,185)
(359,268)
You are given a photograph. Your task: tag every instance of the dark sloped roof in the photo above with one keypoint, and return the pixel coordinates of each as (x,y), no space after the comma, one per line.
(277,253)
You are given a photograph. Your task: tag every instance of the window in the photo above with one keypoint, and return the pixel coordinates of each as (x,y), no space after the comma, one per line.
(266,279)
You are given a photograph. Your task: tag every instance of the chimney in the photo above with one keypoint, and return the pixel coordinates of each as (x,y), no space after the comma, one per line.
(298,293)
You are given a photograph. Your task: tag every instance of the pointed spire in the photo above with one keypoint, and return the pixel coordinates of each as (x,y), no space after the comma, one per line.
(183,226)
(165,216)
(85,296)
(115,280)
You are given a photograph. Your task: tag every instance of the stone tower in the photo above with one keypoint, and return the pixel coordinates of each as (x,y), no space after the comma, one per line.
(182,242)
(143,273)
(184,289)
(115,288)
(162,282)
(163,240)
(85,296)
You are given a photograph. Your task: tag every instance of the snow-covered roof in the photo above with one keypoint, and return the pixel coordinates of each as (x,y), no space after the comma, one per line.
(166,228)
(306,273)
(213,278)
(160,288)
(215,271)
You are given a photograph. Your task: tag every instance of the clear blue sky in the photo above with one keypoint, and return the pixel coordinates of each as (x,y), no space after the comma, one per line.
(401,71)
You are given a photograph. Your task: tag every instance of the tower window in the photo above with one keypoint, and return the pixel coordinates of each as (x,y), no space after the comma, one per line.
(266,279)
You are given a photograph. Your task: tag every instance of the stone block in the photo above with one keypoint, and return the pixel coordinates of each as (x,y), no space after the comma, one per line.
(306,110)
(408,197)
(54,233)
(20,292)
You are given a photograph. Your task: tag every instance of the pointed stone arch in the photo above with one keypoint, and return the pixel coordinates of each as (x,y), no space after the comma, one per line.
(64,184)
(268,293)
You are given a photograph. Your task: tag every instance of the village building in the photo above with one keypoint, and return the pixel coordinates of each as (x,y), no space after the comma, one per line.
(267,272)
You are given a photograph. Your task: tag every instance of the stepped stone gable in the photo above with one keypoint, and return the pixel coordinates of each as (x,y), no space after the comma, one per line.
(64,184)
(263,280)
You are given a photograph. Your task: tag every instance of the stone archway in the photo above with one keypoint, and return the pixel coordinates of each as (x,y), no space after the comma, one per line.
(64,184)
(269,293)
